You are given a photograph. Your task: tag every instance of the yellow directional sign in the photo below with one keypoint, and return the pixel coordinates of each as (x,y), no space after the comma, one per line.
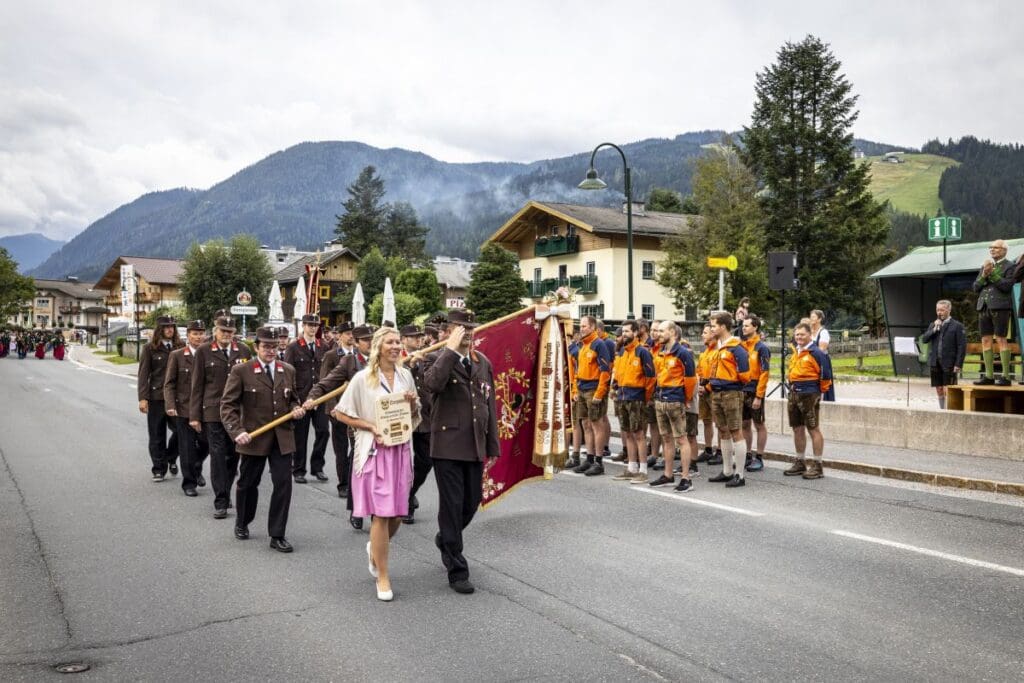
(729,263)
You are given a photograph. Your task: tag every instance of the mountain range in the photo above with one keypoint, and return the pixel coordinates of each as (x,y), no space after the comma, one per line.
(292,198)
(30,249)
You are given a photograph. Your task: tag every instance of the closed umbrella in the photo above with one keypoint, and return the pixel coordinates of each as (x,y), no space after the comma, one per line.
(300,299)
(358,303)
(389,303)
(274,303)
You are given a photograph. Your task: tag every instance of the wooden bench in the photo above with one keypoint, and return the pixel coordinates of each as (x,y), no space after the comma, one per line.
(975,359)
(986,399)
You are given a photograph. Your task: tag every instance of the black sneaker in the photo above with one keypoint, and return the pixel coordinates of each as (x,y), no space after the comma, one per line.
(594,470)
(220,513)
(652,460)
(736,480)
(1003,382)
(572,463)
(716,459)
(746,461)
(583,466)
(693,469)
(685,486)
(705,455)
(756,464)
(157,476)
(659,464)
(663,481)
(173,469)
(606,453)
(984,381)
(720,477)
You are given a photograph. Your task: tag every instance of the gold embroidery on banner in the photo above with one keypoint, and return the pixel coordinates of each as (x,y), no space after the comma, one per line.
(510,391)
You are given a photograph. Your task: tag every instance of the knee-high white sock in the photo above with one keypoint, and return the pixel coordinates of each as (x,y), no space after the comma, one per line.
(726,456)
(739,455)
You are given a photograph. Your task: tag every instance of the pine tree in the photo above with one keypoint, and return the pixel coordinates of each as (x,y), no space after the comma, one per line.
(496,287)
(664,199)
(816,197)
(403,235)
(359,228)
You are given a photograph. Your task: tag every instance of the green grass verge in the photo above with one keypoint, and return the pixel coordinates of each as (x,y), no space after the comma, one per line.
(119,360)
(875,365)
(912,186)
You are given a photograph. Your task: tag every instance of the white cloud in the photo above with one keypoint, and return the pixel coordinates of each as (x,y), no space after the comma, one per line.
(102,102)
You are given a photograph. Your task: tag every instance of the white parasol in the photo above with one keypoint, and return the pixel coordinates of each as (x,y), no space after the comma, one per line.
(274,303)
(389,303)
(300,299)
(358,303)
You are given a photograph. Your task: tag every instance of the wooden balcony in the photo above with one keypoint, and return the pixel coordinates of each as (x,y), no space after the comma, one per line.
(583,284)
(556,246)
(69,309)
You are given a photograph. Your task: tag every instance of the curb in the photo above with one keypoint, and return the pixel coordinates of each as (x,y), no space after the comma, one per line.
(932,478)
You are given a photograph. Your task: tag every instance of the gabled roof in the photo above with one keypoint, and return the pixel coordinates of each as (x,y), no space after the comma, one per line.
(593,219)
(75,290)
(292,271)
(156,271)
(961,257)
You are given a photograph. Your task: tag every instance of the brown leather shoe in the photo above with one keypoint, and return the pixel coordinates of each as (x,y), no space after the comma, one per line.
(798,467)
(813,470)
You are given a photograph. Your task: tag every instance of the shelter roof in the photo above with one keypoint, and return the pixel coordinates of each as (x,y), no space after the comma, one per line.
(76,290)
(961,257)
(594,219)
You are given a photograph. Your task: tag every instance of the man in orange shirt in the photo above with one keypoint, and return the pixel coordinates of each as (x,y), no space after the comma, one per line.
(754,392)
(633,386)
(809,378)
(730,371)
(593,376)
(709,455)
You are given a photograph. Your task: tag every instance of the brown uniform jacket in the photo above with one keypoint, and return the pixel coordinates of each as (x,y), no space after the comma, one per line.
(178,381)
(306,359)
(426,398)
(251,400)
(344,369)
(209,375)
(152,366)
(332,359)
(463,419)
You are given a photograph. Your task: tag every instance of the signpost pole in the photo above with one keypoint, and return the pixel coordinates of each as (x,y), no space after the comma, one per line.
(944,261)
(721,289)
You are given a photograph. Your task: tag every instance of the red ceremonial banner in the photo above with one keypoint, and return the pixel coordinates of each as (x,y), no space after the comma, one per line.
(512,346)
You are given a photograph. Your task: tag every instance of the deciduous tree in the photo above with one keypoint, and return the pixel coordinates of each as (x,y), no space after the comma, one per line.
(496,287)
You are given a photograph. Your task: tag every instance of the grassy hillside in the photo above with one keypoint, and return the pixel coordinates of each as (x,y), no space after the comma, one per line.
(912,186)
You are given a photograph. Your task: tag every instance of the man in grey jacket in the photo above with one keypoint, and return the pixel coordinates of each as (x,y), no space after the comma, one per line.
(947,348)
(994,286)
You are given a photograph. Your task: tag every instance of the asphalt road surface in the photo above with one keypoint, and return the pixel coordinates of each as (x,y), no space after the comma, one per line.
(577,578)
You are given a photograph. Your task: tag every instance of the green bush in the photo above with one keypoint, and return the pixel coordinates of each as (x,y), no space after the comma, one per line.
(120,345)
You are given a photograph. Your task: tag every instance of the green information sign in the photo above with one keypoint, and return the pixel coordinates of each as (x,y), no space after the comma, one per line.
(945,228)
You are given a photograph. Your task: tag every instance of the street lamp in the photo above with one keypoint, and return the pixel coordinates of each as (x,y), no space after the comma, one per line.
(592,182)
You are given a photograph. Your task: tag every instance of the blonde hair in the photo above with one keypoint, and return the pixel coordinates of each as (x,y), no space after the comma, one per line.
(373,376)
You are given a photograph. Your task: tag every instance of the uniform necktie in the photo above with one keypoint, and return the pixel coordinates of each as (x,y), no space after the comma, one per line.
(270,372)
(466,363)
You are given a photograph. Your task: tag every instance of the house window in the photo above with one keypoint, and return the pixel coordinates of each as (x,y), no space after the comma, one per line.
(42,303)
(325,291)
(554,231)
(591,268)
(563,272)
(597,311)
(647,270)
(536,275)
(647,312)
(570,230)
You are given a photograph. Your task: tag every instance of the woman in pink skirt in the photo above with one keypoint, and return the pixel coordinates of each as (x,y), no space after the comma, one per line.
(381,475)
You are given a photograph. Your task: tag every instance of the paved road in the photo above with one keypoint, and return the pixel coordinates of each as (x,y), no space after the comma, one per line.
(578,579)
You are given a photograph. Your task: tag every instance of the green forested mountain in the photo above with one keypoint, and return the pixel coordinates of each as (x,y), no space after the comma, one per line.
(292,197)
(29,250)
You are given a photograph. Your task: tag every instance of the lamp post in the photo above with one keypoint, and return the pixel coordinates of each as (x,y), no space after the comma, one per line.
(592,182)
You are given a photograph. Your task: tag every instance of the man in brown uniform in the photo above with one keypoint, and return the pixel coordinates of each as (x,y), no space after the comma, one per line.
(342,372)
(192,447)
(306,354)
(339,432)
(463,433)
(258,392)
(210,368)
(152,369)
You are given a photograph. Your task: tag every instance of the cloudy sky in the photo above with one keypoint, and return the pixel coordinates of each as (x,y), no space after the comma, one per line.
(103,101)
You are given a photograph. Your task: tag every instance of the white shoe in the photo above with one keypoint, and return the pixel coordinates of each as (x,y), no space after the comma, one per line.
(371,566)
(385,596)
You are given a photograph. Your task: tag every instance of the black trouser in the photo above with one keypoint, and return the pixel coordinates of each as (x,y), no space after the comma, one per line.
(421,462)
(340,443)
(223,463)
(318,418)
(459,494)
(192,451)
(250,473)
(160,452)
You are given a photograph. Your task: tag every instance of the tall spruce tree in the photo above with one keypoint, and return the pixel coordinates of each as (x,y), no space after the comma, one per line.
(403,235)
(816,198)
(495,288)
(359,227)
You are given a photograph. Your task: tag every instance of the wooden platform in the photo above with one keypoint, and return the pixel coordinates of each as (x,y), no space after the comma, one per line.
(986,399)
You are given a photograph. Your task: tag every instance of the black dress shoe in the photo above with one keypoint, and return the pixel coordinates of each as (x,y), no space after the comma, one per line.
(720,477)
(736,480)
(241,532)
(409,519)
(984,382)
(200,480)
(415,503)
(299,479)
(220,513)
(463,586)
(320,476)
(342,492)
(281,545)
(356,522)
(173,469)
(191,493)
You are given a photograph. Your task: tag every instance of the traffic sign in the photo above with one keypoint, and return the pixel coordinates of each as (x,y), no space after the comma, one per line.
(244,310)
(945,228)
(729,263)
(244,298)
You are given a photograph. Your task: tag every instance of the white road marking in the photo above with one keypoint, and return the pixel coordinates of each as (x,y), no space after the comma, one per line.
(105,372)
(687,498)
(931,553)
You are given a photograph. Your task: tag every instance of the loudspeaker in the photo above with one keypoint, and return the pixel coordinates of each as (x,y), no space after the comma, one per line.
(782,267)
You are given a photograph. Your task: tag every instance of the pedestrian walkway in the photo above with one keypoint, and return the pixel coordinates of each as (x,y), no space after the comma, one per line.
(88,358)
